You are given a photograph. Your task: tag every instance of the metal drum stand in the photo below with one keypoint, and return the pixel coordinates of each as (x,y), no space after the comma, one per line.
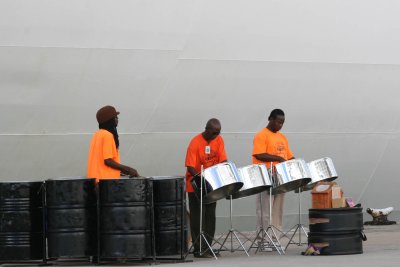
(262,233)
(233,233)
(298,227)
(202,234)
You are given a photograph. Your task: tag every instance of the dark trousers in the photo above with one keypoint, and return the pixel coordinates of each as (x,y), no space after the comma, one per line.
(208,226)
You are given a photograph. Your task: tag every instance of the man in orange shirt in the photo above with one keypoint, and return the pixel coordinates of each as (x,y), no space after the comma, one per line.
(269,145)
(104,159)
(207,149)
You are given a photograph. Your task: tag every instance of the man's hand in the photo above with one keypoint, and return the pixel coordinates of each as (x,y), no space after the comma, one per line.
(132,172)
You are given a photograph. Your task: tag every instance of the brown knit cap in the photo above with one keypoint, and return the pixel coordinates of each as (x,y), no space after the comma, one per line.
(106,113)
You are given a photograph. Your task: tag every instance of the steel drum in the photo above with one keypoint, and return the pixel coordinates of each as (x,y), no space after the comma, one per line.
(219,181)
(321,170)
(255,179)
(290,175)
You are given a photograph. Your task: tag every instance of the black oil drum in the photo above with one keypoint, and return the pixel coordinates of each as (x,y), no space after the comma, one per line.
(170,220)
(334,220)
(340,230)
(71,217)
(339,243)
(21,221)
(125,218)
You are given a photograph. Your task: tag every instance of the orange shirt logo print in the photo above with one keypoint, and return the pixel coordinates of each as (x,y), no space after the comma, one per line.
(210,159)
(280,150)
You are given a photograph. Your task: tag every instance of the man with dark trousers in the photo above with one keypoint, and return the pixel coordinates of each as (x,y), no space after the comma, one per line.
(205,149)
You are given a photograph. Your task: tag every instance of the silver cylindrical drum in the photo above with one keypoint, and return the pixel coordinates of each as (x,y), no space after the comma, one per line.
(321,170)
(255,179)
(219,181)
(290,175)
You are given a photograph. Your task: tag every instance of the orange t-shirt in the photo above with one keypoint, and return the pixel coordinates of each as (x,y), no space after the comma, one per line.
(102,147)
(196,155)
(272,143)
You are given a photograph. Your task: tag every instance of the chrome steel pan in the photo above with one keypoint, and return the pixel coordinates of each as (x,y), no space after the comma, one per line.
(290,175)
(255,179)
(321,170)
(219,181)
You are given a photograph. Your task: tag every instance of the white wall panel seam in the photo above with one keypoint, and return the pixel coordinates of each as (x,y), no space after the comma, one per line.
(88,48)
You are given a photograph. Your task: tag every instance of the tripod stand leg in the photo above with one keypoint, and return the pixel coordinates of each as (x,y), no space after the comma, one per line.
(203,237)
(223,243)
(304,230)
(208,245)
(291,238)
(260,232)
(192,246)
(241,244)
(274,240)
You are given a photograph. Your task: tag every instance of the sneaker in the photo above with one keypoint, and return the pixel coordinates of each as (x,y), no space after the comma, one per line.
(266,249)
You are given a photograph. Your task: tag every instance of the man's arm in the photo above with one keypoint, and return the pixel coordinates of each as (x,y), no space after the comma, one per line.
(265,157)
(123,168)
(191,170)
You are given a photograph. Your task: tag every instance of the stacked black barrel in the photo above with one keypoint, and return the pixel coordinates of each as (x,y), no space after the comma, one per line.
(21,221)
(338,230)
(140,219)
(71,217)
(170,219)
(125,219)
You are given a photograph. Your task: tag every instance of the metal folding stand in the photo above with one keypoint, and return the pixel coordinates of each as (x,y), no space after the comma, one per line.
(262,233)
(202,234)
(233,233)
(298,227)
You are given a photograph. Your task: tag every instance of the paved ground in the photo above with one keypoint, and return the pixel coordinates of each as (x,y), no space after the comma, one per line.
(380,250)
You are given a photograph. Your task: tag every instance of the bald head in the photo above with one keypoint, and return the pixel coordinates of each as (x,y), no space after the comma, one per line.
(213,123)
(213,129)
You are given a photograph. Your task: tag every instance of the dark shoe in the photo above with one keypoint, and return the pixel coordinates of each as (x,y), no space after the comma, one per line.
(216,252)
(204,255)
(121,259)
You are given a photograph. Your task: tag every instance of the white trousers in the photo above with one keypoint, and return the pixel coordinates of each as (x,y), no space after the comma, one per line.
(277,210)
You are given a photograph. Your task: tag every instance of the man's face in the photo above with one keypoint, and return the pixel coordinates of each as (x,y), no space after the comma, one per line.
(212,132)
(277,123)
(116,121)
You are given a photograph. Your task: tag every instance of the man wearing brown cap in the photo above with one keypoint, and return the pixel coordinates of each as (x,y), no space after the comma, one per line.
(104,158)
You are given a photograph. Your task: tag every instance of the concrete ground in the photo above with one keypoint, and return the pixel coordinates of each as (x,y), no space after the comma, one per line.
(381,249)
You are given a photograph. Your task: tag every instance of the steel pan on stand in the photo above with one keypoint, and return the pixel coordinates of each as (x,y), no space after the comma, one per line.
(321,170)
(266,237)
(255,179)
(219,181)
(290,175)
